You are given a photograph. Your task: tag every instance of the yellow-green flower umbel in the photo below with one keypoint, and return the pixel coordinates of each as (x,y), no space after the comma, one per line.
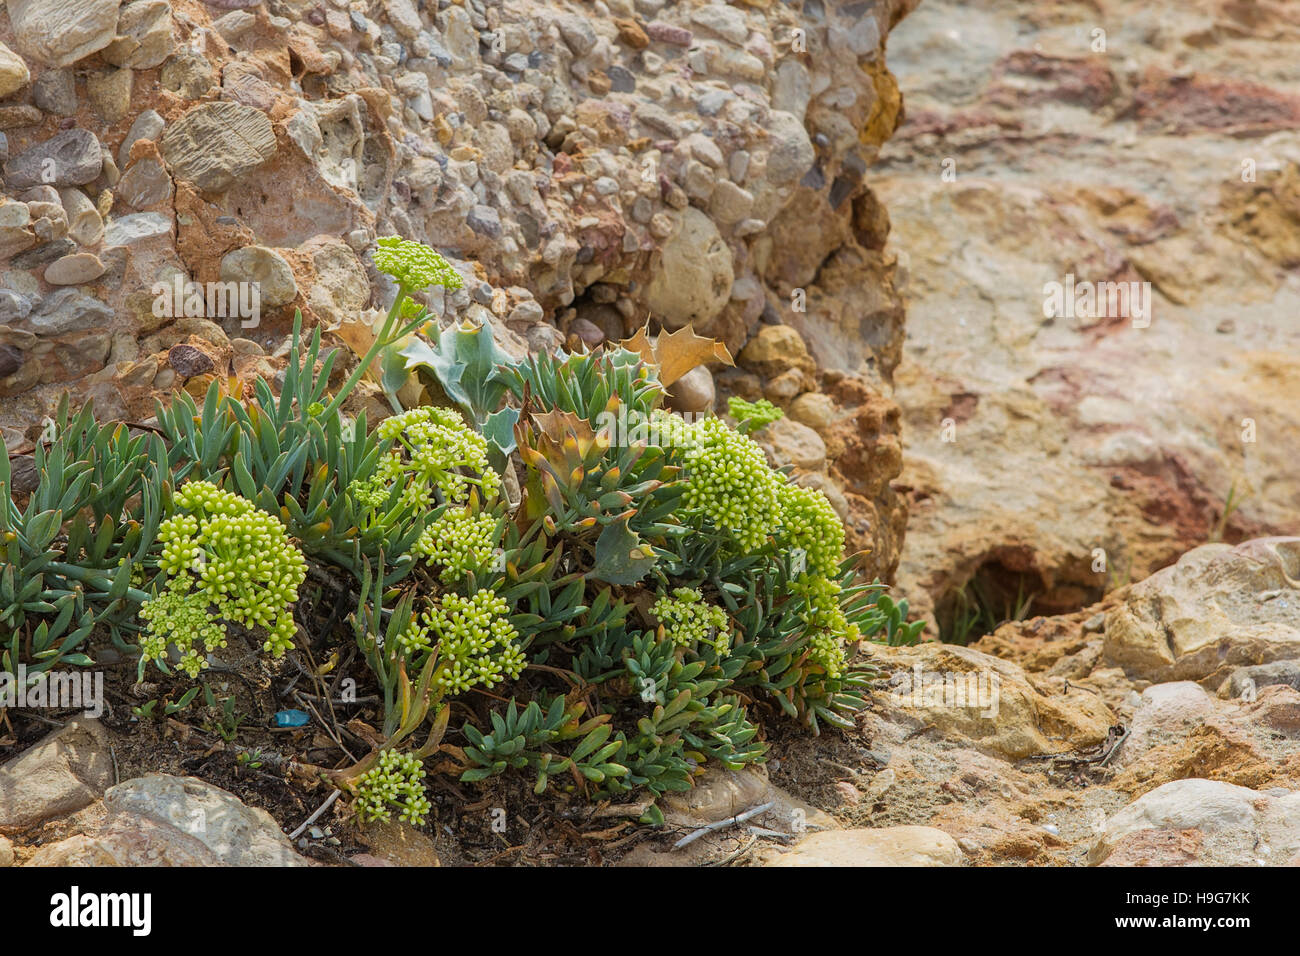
(413,265)
(224,561)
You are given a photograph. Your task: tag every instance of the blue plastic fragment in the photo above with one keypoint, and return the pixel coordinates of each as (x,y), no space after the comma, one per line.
(291,718)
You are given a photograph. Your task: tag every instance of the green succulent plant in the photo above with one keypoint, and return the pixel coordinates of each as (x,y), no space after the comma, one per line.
(74,556)
(654,595)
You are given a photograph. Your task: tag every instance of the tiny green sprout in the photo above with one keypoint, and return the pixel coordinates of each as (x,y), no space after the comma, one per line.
(250,760)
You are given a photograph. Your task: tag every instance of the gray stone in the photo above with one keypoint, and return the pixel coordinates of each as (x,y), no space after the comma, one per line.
(70,310)
(14,74)
(11,361)
(404,17)
(340,290)
(85,225)
(161,820)
(18,115)
(529,311)
(711,102)
(693,276)
(188,74)
(699,180)
(485,221)
(146,182)
(1247,680)
(730,203)
(61,32)
(265,268)
(16,237)
(1228,817)
(125,230)
(577,33)
(792,151)
(40,255)
(43,254)
(234,24)
(144,35)
(75,269)
(861,39)
(66,771)
(109,93)
(727,22)
(55,91)
(694,391)
(70,158)
(189,360)
(215,144)
(148,125)
(14,306)
(621,79)
(792,89)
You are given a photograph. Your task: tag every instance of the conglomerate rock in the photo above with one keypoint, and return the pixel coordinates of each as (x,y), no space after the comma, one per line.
(586,167)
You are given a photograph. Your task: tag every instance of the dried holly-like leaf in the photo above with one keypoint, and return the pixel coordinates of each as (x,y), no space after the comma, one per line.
(676,353)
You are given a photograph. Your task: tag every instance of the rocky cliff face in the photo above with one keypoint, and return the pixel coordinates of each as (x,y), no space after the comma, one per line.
(1112,142)
(586,166)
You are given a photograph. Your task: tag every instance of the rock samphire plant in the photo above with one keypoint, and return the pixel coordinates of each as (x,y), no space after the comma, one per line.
(607,597)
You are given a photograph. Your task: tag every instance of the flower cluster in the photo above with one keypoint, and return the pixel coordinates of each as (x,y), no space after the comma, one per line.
(730,482)
(225,561)
(413,265)
(436,459)
(460,541)
(809,522)
(475,641)
(756,415)
(829,630)
(397,780)
(688,620)
(179,616)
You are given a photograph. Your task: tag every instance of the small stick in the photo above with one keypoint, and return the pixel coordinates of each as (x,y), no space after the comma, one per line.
(774,834)
(1115,749)
(723,824)
(735,855)
(329,802)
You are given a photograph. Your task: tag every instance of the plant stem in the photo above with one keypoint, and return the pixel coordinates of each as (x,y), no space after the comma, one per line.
(382,341)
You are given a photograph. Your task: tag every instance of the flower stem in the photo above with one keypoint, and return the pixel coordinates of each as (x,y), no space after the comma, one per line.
(384,339)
